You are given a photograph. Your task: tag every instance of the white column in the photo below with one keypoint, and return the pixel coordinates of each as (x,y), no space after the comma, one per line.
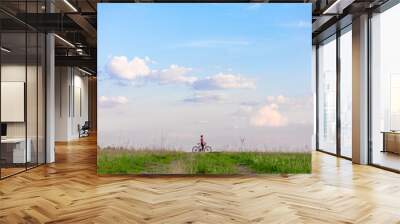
(360,90)
(50,99)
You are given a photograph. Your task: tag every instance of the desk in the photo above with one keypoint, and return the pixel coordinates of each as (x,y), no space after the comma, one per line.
(15,148)
(391,141)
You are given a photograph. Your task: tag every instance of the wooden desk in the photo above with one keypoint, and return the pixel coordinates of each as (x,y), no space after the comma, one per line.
(13,150)
(391,141)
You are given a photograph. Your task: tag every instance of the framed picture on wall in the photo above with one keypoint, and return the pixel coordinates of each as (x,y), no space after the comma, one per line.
(204,88)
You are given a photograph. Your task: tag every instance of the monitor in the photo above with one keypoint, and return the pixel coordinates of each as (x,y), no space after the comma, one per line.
(3,129)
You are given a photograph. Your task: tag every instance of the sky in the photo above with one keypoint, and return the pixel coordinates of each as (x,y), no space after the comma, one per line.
(240,74)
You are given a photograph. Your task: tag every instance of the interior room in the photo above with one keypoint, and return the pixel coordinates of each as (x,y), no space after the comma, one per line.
(49,74)
(24,57)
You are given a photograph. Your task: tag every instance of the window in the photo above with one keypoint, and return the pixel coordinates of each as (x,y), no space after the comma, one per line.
(327,95)
(385,89)
(346,92)
(395,102)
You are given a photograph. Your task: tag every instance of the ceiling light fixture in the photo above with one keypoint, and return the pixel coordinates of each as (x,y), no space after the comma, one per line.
(84,71)
(337,7)
(5,50)
(70,5)
(64,40)
(79,51)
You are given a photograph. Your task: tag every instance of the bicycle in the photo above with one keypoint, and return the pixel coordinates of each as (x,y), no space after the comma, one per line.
(198,148)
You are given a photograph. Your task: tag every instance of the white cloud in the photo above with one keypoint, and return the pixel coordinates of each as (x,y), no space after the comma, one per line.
(269,116)
(137,71)
(149,60)
(205,97)
(277,99)
(300,109)
(276,111)
(294,102)
(173,75)
(224,81)
(108,102)
(121,67)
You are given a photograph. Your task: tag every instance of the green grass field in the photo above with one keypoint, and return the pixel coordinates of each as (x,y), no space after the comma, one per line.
(174,162)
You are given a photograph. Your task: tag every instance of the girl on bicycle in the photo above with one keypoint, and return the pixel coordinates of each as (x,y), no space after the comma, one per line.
(202,142)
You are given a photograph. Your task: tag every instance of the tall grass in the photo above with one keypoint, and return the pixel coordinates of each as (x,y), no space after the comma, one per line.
(274,162)
(125,162)
(164,162)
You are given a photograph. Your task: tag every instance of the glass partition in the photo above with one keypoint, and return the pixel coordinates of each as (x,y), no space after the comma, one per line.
(327,95)
(385,89)
(23,91)
(13,109)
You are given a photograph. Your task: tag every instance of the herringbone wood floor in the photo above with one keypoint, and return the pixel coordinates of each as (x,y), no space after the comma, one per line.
(69,191)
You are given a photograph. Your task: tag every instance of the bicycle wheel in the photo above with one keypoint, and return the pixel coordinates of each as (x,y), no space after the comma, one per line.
(208,149)
(196,148)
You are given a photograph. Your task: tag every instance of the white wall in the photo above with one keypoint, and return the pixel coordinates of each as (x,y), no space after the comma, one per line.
(16,73)
(70,83)
(13,101)
(79,117)
(62,82)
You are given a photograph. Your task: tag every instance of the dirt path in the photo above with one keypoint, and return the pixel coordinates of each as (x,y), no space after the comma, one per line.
(244,170)
(177,167)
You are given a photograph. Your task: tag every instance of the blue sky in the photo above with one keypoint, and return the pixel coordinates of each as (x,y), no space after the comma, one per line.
(206,60)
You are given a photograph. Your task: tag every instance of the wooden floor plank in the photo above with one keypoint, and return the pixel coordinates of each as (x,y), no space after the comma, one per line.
(70,191)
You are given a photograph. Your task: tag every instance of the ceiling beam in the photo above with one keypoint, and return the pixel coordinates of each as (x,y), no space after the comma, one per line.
(85,25)
(79,61)
(337,7)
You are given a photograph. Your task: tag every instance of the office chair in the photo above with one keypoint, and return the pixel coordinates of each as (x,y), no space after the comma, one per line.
(84,130)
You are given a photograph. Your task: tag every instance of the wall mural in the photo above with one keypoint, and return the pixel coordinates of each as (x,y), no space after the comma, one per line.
(204,88)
